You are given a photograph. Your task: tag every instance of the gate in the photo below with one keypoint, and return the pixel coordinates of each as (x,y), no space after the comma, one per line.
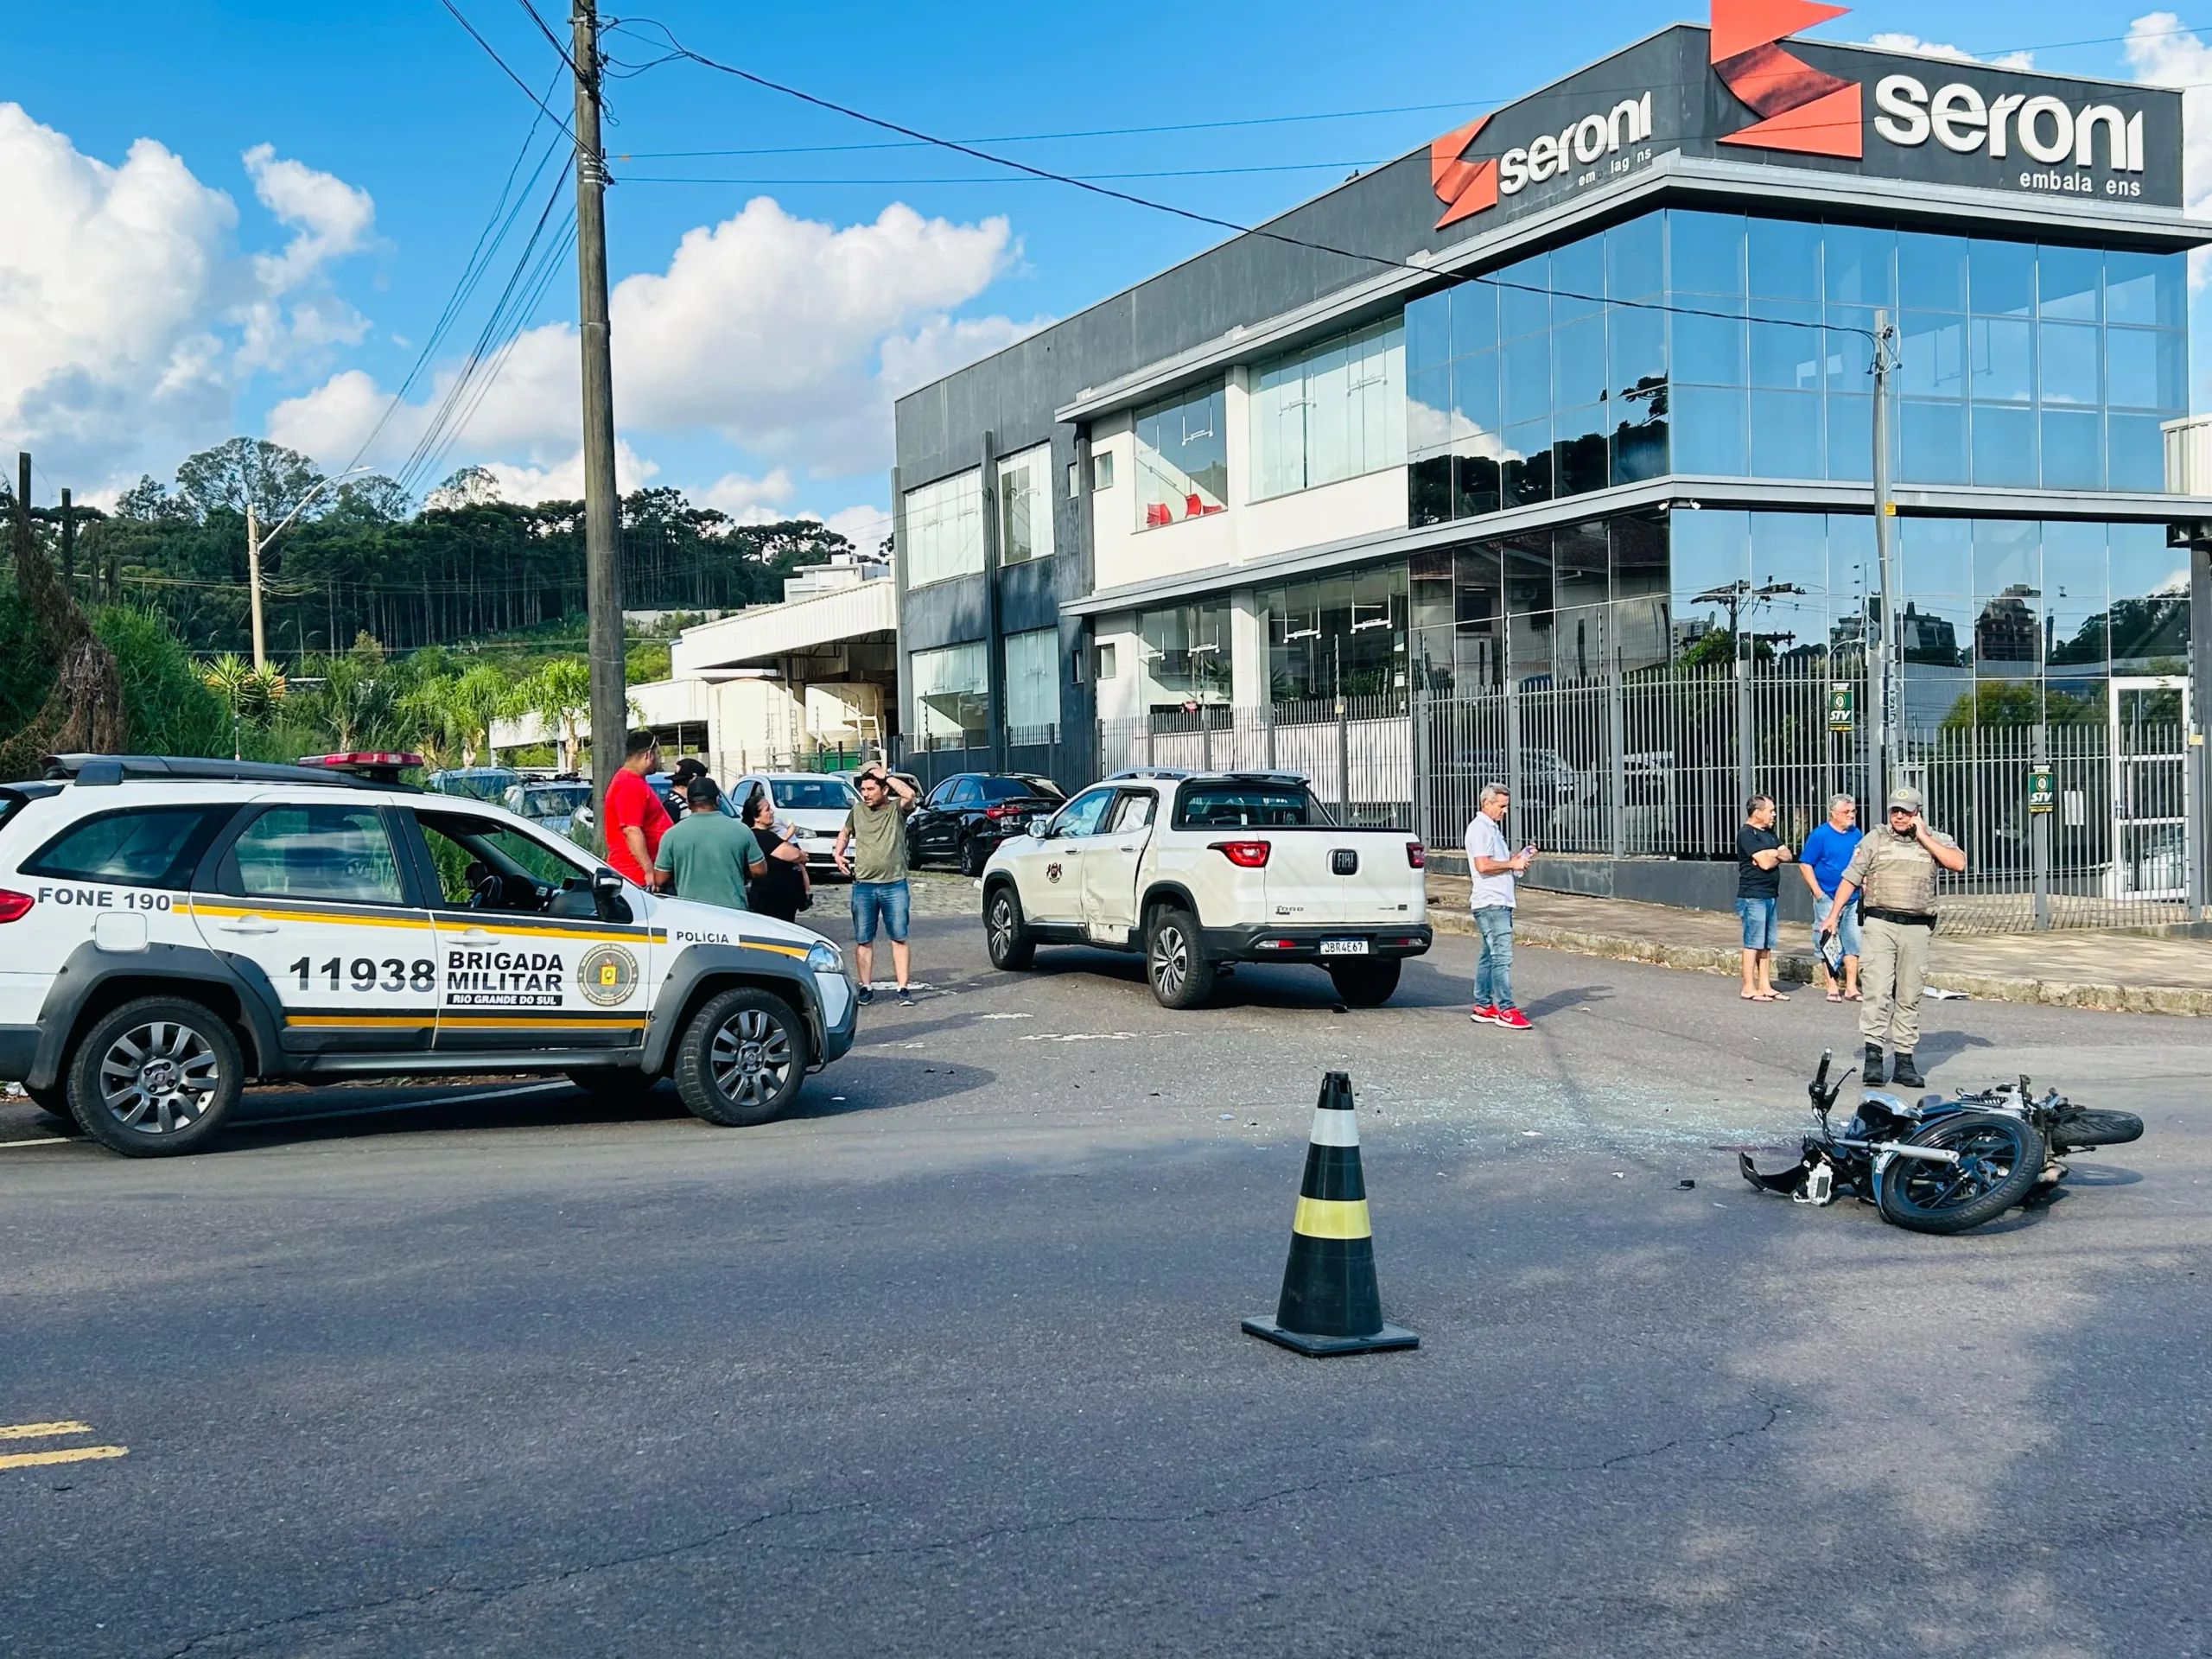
(2149,748)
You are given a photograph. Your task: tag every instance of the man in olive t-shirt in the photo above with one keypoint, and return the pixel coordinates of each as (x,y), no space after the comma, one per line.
(707,854)
(875,830)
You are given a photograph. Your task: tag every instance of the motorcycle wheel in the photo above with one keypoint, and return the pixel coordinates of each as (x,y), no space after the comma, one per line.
(2000,1159)
(2074,1128)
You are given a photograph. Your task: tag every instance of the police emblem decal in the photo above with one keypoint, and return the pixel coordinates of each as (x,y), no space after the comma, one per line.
(607,976)
(1052,871)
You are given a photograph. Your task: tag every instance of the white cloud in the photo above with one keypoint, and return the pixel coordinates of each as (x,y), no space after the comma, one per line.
(128,322)
(864,527)
(1912,44)
(788,337)
(564,480)
(748,500)
(2162,53)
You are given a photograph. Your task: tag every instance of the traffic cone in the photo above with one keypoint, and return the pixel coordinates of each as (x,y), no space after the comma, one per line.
(1330,1302)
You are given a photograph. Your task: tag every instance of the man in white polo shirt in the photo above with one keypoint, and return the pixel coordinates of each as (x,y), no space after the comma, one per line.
(1492,866)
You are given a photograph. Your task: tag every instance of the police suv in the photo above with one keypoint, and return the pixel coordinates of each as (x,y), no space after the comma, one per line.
(172,928)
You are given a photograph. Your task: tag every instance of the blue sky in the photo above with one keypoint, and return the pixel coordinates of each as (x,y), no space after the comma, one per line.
(288,291)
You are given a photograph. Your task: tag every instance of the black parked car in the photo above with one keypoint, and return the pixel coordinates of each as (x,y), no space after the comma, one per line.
(963,819)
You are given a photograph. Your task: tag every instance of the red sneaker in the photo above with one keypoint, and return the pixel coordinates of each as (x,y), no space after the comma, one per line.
(1511,1019)
(1484,1014)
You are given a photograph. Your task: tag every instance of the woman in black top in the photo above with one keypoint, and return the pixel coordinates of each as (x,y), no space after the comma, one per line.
(781,888)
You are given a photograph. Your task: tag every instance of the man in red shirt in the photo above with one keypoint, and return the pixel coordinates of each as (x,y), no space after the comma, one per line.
(634,818)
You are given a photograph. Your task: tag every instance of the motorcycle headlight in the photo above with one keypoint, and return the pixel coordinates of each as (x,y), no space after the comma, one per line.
(826,958)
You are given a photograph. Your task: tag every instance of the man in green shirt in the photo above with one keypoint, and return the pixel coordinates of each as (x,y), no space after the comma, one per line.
(875,830)
(706,855)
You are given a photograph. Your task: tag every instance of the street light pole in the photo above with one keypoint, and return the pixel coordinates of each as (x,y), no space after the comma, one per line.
(610,706)
(1889,719)
(253,578)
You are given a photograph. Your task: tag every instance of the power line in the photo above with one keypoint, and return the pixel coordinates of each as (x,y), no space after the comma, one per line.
(492,53)
(999,178)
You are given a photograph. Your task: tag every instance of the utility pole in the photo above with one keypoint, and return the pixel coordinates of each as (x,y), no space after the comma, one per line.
(253,579)
(610,702)
(1889,720)
(68,547)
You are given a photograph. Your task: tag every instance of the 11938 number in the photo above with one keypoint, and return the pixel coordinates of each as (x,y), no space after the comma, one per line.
(366,974)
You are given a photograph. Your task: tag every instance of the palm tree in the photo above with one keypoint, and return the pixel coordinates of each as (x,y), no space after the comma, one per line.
(560,694)
(248,692)
(479,696)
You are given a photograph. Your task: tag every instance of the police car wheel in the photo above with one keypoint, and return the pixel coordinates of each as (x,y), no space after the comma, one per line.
(741,1060)
(155,1077)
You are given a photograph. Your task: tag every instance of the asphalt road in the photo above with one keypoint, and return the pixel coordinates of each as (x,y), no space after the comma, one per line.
(950,1363)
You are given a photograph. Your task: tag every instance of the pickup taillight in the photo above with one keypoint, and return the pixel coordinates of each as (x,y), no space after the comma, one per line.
(1246,854)
(14,905)
(1416,857)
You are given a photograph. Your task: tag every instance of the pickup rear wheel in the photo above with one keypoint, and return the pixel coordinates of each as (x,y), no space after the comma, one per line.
(1012,947)
(155,1077)
(1175,960)
(1364,984)
(742,1058)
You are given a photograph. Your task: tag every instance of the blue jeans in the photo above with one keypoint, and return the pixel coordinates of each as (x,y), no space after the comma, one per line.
(883,899)
(1846,925)
(1757,917)
(1494,968)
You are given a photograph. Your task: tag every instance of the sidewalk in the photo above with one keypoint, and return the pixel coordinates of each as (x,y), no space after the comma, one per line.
(2123,972)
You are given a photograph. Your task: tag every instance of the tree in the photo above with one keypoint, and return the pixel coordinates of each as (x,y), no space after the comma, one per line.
(274,479)
(560,694)
(356,702)
(471,487)
(250,694)
(374,499)
(147,501)
(479,696)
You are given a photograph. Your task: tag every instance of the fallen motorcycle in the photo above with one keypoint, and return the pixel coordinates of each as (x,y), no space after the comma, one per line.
(1941,1165)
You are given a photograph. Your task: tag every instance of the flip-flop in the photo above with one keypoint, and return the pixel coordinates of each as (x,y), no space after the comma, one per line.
(1835,997)
(1774,996)
(1748,997)
(1853,996)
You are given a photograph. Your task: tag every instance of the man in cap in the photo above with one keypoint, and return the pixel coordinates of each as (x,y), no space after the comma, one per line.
(1896,866)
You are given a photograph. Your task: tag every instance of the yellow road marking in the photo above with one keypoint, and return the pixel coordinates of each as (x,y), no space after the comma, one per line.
(74,1454)
(41,1431)
(1331,1218)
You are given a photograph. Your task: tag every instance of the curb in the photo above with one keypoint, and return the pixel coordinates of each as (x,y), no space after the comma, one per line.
(2184,1001)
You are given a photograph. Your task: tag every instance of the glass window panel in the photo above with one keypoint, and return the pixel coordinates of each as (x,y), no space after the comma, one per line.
(1477,483)
(1934,555)
(2143,566)
(2005,446)
(1033,679)
(2067,356)
(1185,653)
(1854,570)
(2145,289)
(1579,362)
(2074,595)
(2000,362)
(2008,633)
(1857,261)
(1428,409)
(1525,469)
(1578,269)
(1851,436)
(1527,383)
(1708,350)
(1935,630)
(2144,368)
(1931,271)
(1528,649)
(150,848)
(1710,550)
(1931,443)
(2067,280)
(1581,554)
(1705,252)
(943,529)
(1639,437)
(319,852)
(1784,257)
(1428,490)
(1026,505)
(1786,433)
(2149,617)
(1635,266)
(2001,277)
(2135,456)
(1638,637)
(1708,429)
(1932,355)
(1639,554)
(1182,459)
(1328,399)
(1527,564)
(1784,354)
(1476,406)
(950,687)
(1790,551)
(1474,317)
(1579,450)
(1578,644)
(1428,331)
(1524,300)
(2007,554)
(2073,449)
(1638,340)
(1849,348)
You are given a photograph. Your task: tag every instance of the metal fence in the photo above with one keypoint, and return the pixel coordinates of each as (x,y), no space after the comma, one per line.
(1659,764)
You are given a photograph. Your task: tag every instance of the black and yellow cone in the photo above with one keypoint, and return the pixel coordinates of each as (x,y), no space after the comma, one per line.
(1330,1302)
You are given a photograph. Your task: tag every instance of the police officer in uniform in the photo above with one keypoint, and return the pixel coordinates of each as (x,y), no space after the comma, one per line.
(1896,866)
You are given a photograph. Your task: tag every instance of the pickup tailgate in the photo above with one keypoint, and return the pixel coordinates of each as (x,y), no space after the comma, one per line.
(1318,876)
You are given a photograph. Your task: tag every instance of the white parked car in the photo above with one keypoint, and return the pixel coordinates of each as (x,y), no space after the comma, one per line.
(171,928)
(815,802)
(1196,869)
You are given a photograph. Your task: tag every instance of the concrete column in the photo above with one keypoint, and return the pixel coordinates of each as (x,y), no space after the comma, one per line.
(1248,650)
(1237,412)
(993,644)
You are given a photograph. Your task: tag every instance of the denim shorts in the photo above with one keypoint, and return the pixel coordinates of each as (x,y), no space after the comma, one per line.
(885,900)
(1846,926)
(1757,918)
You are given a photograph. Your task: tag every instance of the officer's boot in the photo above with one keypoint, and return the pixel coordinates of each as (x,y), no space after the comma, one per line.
(1907,1075)
(1871,1077)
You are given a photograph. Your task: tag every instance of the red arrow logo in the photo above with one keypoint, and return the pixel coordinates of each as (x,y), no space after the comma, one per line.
(1463,186)
(1803,109)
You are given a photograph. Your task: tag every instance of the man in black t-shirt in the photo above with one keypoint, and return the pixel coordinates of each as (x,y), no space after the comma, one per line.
(1760,855)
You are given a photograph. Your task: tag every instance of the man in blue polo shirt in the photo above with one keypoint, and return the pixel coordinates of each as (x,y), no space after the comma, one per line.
(1826,850)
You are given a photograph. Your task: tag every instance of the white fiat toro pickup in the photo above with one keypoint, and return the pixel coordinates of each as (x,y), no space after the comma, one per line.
(1196,869)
